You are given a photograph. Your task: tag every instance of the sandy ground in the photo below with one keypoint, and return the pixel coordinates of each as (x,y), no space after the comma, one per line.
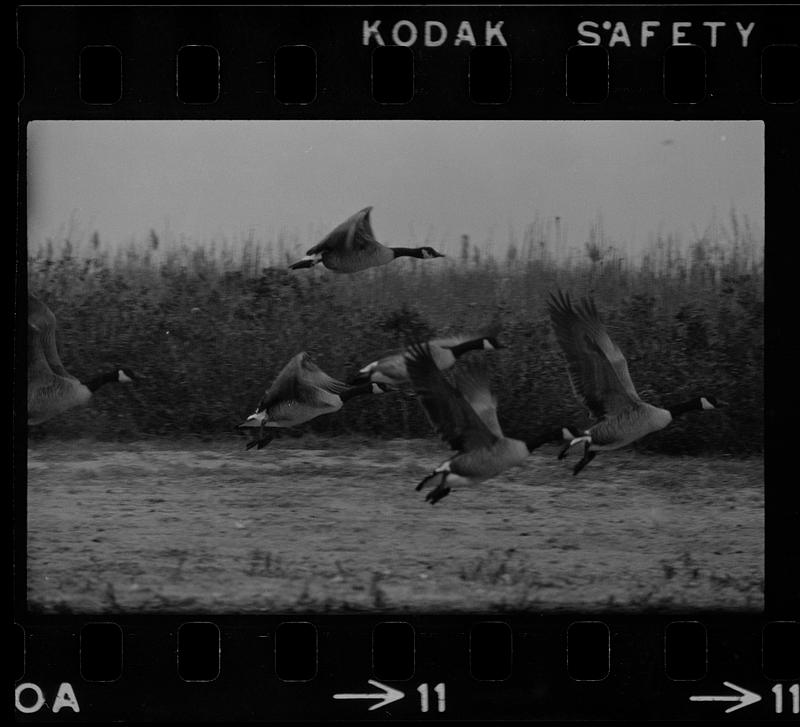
(335,525)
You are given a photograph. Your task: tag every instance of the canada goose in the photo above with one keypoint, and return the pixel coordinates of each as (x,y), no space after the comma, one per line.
(300,392)
(392,369)
(52,390)
(465,416)
(352,247)
(599,377)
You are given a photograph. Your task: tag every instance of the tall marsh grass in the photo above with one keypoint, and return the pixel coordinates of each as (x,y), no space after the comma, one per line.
(209,326)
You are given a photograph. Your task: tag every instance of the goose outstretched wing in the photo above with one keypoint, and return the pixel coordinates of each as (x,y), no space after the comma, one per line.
(38,368)
(354,234)
(450,414)
(42,325)
(472,380)
(300,380)
(597,368)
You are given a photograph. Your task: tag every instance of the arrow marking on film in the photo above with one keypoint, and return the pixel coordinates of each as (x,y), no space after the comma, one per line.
(745,697)
(387,696)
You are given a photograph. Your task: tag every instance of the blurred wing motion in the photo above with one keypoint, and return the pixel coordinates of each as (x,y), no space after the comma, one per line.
(300,392)
(52,390)
(300,381)
(37,363)
(597,369)
(450,414)
(42,337)
(472,380)
(354,234)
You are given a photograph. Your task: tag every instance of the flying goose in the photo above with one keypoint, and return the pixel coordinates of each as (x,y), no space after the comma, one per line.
(392,369)
(600,380)
(352,247)
(52,390)
(465,416)
(300,392)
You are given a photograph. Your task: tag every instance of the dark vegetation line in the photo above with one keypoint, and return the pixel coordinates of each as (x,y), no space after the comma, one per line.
(210,328)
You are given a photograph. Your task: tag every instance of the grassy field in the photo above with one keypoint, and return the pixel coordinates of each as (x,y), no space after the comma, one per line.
(334,524)
(145,501)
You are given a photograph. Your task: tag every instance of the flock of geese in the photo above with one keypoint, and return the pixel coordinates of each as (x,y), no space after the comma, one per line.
(463,413)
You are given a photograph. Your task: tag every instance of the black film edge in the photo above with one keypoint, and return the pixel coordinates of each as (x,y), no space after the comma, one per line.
(164,572)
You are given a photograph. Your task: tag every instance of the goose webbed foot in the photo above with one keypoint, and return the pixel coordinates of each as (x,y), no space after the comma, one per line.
(587,457)
(264,441)
(440,490)
(425,481)
(261,441)
(437,493)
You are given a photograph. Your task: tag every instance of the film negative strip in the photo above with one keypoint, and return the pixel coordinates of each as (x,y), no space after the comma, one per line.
(511,255)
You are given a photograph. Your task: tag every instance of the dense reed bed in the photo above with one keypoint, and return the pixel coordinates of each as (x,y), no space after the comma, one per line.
(209,327)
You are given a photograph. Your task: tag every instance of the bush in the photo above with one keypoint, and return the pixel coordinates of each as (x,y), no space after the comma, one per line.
(210,332)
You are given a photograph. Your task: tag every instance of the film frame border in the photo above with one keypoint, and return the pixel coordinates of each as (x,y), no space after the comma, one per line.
(782,153)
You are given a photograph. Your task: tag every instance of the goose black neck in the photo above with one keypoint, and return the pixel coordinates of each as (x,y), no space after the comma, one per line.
(462,348)
(358,390)
(691,405)
(407,251)
(95,383)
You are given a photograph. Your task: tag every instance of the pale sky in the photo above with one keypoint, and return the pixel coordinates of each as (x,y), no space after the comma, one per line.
(434,179)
